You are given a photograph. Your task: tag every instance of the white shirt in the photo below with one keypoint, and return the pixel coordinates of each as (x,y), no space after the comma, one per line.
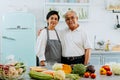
(41,42)
(74,42)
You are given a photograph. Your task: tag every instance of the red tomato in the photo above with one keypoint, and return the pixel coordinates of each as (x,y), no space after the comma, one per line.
(93,75)
(86,74)
(109,73)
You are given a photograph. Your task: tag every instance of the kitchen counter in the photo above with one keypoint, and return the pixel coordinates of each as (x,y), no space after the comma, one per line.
(102,77)
(98,77)
(102,57)
(104,52)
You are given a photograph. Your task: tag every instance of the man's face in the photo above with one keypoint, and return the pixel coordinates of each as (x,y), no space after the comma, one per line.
(71,20)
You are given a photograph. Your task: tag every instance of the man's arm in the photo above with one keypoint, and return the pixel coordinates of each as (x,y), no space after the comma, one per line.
(39,32)
(87,56)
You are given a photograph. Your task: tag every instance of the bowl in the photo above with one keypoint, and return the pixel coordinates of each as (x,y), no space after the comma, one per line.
(12,71)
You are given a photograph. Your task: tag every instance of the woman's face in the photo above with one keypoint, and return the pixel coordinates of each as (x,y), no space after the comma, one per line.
(53,20)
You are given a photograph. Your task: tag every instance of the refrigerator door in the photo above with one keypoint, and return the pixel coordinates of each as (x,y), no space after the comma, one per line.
(19,37)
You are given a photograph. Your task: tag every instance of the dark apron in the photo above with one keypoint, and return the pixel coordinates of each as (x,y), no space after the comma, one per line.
(53,49)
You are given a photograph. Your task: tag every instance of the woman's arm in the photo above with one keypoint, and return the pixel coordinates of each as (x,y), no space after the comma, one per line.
(41,45)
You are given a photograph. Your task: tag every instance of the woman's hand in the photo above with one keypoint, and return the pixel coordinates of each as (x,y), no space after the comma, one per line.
(42,63)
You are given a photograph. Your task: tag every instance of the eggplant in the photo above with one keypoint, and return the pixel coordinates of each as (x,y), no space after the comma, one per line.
(90,68)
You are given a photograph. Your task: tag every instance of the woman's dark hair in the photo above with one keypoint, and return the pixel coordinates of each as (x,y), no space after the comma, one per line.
(52,13)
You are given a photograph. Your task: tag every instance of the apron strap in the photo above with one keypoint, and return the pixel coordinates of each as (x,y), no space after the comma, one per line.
(47,33)
(57,35)
(55,32)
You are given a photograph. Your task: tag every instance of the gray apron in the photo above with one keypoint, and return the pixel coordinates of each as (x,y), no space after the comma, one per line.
(53,49)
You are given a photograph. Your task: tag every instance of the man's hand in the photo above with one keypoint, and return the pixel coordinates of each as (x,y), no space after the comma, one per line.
(39,32)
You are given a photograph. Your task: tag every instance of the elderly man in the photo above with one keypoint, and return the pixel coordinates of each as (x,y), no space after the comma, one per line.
(76,46)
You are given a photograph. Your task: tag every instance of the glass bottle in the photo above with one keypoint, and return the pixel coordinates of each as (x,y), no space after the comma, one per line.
(107,45)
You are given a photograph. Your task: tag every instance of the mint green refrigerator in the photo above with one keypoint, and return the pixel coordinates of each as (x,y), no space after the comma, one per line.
(19,37)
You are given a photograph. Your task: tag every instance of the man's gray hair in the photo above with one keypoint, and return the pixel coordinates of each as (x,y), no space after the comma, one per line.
(70,11)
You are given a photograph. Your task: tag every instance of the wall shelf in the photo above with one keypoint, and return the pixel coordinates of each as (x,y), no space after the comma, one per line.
(82,9)
(68,4)
(116,11)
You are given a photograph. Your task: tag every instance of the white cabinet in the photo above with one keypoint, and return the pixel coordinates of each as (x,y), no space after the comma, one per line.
(95,60)
(80,6)
(103,58)
(111,58)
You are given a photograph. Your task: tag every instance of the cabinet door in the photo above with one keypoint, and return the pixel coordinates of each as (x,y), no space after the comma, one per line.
(19,37)
(95,60)
(111,58)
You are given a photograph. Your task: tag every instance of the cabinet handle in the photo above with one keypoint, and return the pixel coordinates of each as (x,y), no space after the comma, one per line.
(9,38)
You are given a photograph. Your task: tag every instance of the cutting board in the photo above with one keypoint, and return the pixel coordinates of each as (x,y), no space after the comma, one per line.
(116,48)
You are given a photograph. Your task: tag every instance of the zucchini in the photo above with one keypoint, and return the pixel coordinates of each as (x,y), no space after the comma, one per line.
(40,75)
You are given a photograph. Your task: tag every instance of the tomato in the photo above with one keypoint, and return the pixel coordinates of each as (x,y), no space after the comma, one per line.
(93,75)
(109,73)
(86,74)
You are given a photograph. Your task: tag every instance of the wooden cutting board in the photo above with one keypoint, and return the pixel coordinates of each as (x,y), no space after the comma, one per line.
(116,48)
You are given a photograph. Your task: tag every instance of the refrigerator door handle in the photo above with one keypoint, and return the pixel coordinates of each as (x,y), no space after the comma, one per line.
(24,28)
(8,38)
